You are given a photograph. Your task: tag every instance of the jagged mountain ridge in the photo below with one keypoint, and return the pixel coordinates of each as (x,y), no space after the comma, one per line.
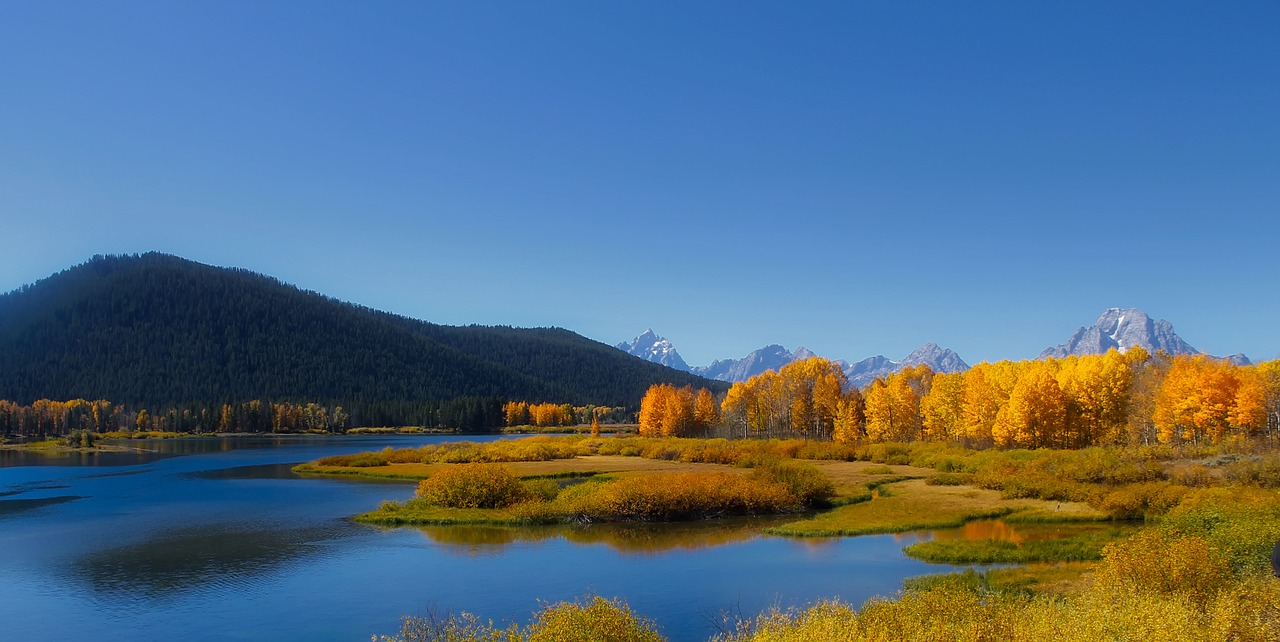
(1122,328)
(772,357)
(1125,328)
(938,359)
(655,349)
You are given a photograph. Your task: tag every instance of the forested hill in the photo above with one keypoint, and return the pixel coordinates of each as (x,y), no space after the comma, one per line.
(157,329)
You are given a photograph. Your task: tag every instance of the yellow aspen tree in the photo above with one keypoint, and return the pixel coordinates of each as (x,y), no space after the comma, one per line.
(1035,415)
(986,390)
(942,410)
(1194,401)
(1249,408)
(905,394)
(1269,372)
(652,407)
(226,420)
(677,417)
(735,407)
(827,392)
(848,427)
(1147,375)
(879,411)
(705,411)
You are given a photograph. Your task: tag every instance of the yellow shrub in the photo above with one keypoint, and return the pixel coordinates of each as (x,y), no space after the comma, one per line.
(598,620)
(1155,562)
(672,496)
(473,486)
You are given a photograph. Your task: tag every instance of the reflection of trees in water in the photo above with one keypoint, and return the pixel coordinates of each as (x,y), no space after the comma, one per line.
(10,507)
(187,559)
(999,530)
(641,539)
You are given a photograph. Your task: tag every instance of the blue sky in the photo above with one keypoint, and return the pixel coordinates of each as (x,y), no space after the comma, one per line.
(857,178)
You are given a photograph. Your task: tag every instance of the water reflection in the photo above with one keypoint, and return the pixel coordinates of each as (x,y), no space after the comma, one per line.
(631,539)
(1000,530)
(12,458)
(259,471)
(9,507)
(208,558)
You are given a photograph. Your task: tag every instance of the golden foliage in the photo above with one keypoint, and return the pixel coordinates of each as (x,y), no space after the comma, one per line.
(473,486)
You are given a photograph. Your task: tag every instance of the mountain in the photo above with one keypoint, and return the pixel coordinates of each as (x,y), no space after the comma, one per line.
(860,374)
(1124,328)
(155,329)
(769,357)
(656,349)
(930,354)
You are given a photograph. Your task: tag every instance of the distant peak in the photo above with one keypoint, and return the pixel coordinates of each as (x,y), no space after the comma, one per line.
(1122,329)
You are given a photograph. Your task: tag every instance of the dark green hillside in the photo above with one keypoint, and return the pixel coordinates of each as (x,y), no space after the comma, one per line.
(157,330)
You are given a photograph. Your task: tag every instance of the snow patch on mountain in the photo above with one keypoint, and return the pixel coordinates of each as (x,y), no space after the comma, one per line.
(1124,328)
(651,347)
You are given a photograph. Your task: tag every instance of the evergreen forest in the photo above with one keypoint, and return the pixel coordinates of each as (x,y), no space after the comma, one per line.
(161,332)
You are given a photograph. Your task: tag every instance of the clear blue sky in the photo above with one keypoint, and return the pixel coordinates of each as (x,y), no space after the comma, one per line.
(855,177)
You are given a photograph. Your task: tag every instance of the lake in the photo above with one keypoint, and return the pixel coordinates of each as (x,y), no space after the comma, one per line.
(214,539)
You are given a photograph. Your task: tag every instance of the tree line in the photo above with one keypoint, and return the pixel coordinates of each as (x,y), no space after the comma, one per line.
(46,418)
(1115,398)
(523,413)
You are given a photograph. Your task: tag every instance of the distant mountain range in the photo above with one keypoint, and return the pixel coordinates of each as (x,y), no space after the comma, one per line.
(1117,328)
(772,357)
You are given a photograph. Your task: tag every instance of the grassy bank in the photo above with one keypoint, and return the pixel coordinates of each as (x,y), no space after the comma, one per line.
(914,505)
(499,494)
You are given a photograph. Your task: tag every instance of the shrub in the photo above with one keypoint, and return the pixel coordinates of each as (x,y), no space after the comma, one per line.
(1243,523)
(596,620)
(1140,501)
(473,486)
(804,481)
(667,497)
(80,439)
(543,489)
(890,453)
(366,460)
(950,479)
(1152,561)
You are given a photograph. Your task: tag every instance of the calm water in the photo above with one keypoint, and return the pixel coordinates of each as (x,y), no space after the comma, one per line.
(215,540)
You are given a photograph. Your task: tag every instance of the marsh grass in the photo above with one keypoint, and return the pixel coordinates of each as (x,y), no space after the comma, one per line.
(492,493)
(915,505)
(1087,547)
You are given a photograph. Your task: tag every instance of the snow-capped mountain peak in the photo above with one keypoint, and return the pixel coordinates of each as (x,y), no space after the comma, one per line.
(1122,329)
(651,347)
